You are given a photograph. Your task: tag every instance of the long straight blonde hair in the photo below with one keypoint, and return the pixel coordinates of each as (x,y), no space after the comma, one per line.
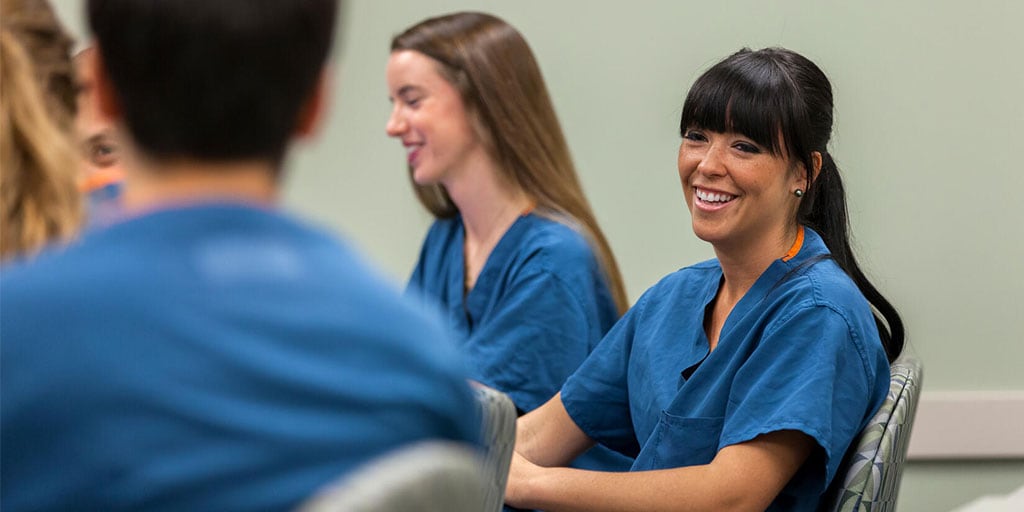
(492,67)
(39,198)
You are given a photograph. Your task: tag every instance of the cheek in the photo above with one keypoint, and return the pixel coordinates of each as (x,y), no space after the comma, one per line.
(686,168)
(459,134)
(684,177)
(685,173)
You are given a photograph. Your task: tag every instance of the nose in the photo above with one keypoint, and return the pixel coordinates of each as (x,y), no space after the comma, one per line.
(710,163)
(396,125)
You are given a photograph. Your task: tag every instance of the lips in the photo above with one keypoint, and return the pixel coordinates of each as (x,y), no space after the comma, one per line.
(411,152)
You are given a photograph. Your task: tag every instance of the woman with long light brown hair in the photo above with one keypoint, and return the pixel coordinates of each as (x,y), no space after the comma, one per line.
(39,201)
(515,258)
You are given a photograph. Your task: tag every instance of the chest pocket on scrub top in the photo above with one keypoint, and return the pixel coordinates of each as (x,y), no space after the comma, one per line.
(678,441)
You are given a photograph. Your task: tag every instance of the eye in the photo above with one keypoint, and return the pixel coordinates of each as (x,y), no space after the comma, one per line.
(747,147)
(695,135)
(103,154)
(413,101)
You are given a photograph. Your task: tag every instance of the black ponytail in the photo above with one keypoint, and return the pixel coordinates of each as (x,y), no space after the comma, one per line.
(823,209)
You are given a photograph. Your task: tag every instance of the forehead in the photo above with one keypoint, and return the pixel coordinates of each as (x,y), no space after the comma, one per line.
(412,68)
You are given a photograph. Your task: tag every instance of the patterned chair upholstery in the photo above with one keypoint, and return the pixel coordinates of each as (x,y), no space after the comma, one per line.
(432,476)
(869,478)
(499,438)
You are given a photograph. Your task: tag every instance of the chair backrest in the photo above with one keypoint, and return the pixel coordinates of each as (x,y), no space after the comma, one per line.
(869,479)
(432,476)
(499,438)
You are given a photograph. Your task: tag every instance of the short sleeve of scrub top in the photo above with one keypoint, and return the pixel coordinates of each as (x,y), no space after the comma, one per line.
(596,396)
(807,374)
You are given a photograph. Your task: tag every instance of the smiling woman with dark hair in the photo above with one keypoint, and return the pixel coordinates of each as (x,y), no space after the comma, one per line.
(737,383)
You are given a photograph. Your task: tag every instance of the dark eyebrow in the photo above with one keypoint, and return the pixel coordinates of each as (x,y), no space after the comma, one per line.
(99,137)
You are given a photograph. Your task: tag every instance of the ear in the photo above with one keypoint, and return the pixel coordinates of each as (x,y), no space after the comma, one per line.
(107,105)
(803,180)
(315,107)
(816,162)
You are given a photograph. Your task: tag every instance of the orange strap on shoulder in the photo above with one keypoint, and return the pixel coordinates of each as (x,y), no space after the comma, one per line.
(796,245)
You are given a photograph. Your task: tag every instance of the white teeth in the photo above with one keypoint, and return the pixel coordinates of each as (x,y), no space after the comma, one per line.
(712,197)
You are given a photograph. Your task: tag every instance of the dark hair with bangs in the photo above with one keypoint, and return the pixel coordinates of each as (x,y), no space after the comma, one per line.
(745,97)
(773,91)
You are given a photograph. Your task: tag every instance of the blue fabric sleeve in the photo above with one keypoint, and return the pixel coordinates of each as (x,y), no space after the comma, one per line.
(536,337)
(809,374)
(597,395)
(434,372)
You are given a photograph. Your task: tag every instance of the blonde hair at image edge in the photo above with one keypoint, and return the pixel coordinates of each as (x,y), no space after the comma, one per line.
(39,198)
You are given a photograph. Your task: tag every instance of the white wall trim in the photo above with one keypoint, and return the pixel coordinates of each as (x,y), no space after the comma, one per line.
(968,425)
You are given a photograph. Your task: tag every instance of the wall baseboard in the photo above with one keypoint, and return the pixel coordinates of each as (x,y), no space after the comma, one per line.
(968,425)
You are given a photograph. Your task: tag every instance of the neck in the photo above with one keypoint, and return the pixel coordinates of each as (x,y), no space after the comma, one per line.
(489,205)
(151,184)
(487,202)
(742,265)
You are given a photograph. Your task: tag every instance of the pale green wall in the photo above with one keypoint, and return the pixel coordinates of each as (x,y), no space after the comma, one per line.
(928,134)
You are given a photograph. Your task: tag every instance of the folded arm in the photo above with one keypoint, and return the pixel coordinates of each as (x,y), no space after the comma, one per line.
(745,476)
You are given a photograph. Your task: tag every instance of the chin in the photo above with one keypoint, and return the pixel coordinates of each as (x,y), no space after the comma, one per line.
(706,238)
(707,234)
(424,178)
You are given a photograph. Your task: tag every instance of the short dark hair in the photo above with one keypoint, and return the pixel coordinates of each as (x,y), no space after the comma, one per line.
(216,80)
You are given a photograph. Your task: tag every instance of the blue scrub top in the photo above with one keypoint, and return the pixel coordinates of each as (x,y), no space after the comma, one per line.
(800,351)
(211,357)
(538,308)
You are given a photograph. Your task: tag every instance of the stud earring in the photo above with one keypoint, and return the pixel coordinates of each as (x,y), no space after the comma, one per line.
(798,193)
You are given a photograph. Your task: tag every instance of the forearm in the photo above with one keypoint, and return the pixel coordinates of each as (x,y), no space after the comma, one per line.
(747,476)
(679,489)
(548,437)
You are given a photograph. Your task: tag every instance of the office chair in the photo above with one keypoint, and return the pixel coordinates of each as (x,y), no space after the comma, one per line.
(869,478)
(432,476)
(499,439)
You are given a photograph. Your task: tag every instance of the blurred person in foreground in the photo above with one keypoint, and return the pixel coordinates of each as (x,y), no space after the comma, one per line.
(208,352)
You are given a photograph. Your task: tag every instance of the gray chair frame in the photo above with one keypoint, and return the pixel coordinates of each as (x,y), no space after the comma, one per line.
(869,478)
(499,439)
(432,476)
